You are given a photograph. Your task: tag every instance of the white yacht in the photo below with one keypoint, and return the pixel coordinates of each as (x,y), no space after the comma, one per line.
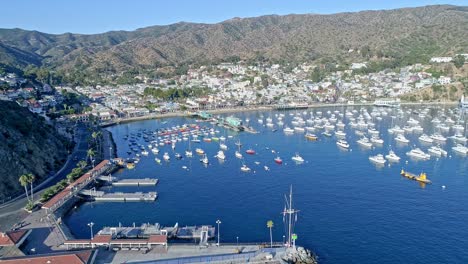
(288,130)
(155,150)
(342,143)
(205,160)
(439,137)
(188,153)
(418,129)
(299,129)
(364,142)
(166,156)
(223,146)
(417,153)
(392,157)
(244,168)
(401,138)
(340,133)
(460,149)
(379,159)
(297,158)
(220,155)
(238,155)
(413,121)
(437,151)
(425,138)
(373,131)
(459,138)
(144,153)
(376,140)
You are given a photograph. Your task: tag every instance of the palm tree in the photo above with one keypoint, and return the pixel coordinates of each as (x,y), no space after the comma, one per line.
(96,135)
(31,179)
(270,226)
(23,179)
(90,155)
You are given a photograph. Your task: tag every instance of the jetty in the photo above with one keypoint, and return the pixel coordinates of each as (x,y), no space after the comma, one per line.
(119,196)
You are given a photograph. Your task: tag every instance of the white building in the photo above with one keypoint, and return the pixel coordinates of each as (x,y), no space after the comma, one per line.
(444,80)
(441,59)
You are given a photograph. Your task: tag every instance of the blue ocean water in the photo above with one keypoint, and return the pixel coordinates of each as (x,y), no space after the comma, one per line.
(350,210)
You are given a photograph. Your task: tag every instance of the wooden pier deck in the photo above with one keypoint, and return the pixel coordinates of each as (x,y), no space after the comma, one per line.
(128,182)
(120,196)
(136,182)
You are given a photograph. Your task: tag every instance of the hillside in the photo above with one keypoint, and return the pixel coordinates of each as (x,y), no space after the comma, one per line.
(408,33)
(27,145)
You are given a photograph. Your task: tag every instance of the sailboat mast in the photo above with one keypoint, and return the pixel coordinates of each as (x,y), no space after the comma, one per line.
(290,216)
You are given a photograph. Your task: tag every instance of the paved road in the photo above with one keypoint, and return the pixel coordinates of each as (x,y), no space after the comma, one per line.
(17,206)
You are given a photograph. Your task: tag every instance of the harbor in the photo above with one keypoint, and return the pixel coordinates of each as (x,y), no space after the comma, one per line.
(276,157)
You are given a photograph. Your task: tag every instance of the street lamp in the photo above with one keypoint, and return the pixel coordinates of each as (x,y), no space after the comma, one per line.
(218,222)
(284,237)
(237,241)
(91,227)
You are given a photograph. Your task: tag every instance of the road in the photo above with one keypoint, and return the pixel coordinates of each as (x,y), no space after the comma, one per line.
(9,210)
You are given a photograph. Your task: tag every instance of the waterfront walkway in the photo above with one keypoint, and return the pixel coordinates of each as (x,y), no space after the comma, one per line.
(175,254)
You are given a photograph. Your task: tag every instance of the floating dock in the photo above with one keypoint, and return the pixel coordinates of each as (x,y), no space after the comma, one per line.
(136,182)
(128,182)
(120,196)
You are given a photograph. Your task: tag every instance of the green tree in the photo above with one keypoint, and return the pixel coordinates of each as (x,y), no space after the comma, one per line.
(82,164)
(90,154)
(23,179)
(316,75)
(270,226)
(459,61)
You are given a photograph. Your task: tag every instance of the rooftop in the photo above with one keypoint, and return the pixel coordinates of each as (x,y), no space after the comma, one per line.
(79,257)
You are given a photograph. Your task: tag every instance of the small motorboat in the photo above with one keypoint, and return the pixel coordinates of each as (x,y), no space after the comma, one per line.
(278,160)
(250,151)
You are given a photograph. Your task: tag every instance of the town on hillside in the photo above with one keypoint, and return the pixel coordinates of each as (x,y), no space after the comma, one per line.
(234,85)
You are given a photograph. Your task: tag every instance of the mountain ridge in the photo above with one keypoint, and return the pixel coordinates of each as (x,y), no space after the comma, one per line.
(294,37)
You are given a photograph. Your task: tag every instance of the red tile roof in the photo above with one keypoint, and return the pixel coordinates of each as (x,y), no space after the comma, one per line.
(157,239)
(11,238)
(56,198)
(82,257)
(80,180)
(67,190)
(130,241)
(100,165)
(101,239)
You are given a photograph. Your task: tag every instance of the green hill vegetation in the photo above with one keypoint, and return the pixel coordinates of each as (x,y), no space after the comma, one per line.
(27,145)
(400,36)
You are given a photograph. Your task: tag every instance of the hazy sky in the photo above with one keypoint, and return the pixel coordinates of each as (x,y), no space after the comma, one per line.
(95,16)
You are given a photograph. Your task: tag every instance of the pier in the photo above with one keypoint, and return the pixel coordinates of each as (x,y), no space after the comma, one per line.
(136,182)
(128,182)
(120,196)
